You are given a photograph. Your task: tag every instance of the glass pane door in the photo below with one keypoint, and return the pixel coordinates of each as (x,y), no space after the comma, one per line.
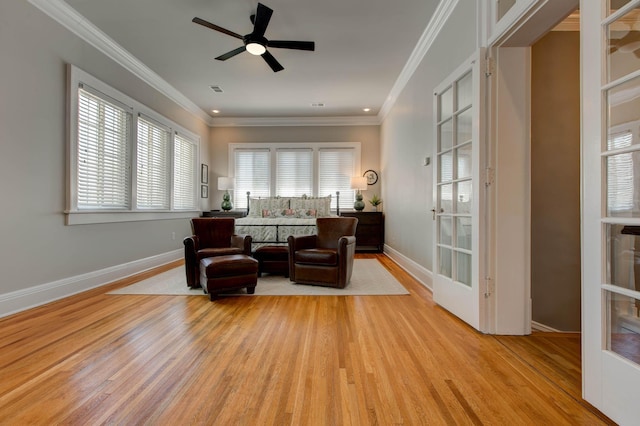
(621,158)
(455,186)
(611,206)
(456,202)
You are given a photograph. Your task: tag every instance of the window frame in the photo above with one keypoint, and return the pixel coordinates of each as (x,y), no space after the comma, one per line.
(315,147)
(77,78)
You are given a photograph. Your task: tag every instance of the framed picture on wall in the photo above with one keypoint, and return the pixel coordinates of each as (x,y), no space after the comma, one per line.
(204,191)
(204,174)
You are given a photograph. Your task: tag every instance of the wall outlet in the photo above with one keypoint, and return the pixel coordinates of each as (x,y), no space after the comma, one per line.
(173,236)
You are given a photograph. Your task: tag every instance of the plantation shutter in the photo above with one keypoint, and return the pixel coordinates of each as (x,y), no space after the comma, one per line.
(184,173)
(103,173)
(252,173)
(336,166)
(152,165)
(294,172)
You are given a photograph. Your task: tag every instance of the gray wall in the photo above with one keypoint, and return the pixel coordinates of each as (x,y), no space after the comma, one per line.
(35,244)
(555,181)
(407,137)
(221,137)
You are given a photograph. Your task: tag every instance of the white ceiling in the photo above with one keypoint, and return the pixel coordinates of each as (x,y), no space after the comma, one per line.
(362,47)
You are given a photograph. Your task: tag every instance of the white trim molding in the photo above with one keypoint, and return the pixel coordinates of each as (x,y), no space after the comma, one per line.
(69,18)
(419,272)
(20,300)
(536,326)
(294,121)
(439,18)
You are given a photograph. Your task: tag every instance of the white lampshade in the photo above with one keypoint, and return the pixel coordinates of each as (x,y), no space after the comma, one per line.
(358,182)
(225,183)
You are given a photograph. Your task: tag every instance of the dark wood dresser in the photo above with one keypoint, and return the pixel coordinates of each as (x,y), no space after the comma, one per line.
(370,231)
(221,213)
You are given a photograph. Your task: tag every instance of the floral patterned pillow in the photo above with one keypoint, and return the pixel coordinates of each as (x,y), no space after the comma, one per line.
(306,213)
(320,204)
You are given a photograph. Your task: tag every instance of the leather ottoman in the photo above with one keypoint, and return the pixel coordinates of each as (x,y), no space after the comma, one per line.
(231,272)
(273,260)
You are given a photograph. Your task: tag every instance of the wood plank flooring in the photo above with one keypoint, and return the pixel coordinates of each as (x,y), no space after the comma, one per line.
(333,360)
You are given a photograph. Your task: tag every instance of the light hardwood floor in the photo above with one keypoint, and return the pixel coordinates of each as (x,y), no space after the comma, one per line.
(361,360)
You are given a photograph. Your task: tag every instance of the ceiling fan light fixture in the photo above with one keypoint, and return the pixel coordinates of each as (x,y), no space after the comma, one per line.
(630,47)
(256,48)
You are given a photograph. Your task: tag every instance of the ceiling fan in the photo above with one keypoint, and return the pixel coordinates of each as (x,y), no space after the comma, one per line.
(629,43)
(255,42)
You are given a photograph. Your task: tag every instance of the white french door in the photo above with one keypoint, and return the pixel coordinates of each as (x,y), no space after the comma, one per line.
(457,204)
(611,206)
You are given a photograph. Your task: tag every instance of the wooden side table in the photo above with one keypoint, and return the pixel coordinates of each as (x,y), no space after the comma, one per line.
(370,230)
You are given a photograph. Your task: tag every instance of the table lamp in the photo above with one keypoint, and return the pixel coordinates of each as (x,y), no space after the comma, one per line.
(225,184)
(358,183)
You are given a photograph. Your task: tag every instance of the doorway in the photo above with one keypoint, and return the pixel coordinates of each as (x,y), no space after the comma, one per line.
(555,180)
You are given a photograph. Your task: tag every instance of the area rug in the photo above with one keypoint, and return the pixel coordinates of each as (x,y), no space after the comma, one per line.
(369,278)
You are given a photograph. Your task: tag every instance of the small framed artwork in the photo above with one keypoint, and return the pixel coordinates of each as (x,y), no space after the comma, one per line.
(204,174)
(204,191)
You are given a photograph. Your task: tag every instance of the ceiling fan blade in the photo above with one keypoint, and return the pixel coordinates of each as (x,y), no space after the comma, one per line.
(263,16)
(231,54)
(273,63)
(215,27)
(286,44)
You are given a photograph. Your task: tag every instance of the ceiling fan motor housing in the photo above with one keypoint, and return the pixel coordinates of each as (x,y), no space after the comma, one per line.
(253,39)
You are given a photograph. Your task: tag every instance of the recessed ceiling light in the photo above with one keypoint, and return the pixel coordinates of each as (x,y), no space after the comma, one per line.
(366,109)
(215,111)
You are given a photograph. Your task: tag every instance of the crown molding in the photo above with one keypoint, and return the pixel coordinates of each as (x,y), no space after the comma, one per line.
(294,121)
(83,28)
(570,23)
(439,18)
(69,18)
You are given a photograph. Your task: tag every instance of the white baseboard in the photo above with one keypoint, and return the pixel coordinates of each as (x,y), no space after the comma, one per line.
(536,326)
(27,298)
(420,273)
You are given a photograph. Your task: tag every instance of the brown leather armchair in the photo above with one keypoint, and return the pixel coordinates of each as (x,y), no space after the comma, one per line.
(326,258)
(211,237)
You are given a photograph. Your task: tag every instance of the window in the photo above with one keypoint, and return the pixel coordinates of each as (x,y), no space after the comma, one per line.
(103,153)
(252,173)
(335,170)
(294,169)
(620,174)
(185,161)
(294,172)
(126,162)
(152,165)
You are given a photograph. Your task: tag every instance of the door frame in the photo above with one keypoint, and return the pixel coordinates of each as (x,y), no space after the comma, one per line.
(508,138)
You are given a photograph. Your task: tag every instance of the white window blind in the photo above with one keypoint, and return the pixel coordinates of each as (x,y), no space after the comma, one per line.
(127,162)
(103,154)
(620,174)
(294,172)
(152,165)
(336,166)
(252,173)
(184,173)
